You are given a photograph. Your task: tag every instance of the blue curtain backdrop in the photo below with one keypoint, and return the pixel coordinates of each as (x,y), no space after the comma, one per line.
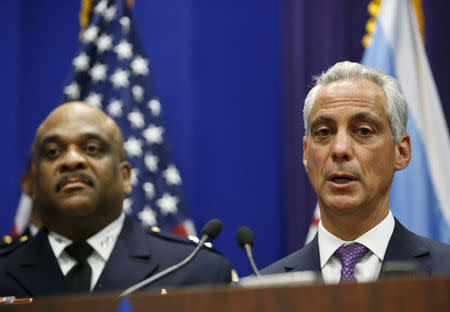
(231,77)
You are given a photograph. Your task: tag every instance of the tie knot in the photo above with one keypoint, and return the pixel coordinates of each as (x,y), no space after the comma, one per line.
(80,251)
(349,255)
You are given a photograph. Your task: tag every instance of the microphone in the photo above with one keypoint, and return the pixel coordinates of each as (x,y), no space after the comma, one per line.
(245,240)
(209,232)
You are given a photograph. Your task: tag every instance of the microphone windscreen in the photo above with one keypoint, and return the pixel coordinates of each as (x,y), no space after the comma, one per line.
(244,236)
(212,229)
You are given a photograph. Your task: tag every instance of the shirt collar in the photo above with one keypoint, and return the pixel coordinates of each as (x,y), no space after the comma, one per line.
(376,239)
(33,229)
(102,242)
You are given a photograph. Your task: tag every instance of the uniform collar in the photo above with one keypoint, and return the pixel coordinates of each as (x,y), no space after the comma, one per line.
(102,242)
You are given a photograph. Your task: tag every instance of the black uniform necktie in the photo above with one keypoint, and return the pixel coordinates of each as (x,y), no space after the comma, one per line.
(79,277)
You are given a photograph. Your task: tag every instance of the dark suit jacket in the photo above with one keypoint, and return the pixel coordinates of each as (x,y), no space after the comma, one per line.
(32,269)
(430,256)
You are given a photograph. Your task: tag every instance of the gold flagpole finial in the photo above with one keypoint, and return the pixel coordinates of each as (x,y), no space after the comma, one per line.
(417,5)
(86,8)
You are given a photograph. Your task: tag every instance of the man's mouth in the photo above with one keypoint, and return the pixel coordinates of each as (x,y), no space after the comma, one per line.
(342,179)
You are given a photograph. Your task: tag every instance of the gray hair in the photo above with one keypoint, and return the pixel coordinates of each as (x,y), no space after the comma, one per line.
(396,107)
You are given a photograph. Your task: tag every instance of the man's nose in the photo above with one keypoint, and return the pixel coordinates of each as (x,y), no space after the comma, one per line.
(341,147)
(73,159)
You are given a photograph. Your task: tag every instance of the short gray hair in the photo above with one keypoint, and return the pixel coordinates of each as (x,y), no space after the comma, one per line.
(396,107)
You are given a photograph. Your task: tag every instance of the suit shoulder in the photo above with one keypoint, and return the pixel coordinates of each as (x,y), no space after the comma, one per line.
(433,245)
(282,265)
(170,238)
(304,259)
(436,246)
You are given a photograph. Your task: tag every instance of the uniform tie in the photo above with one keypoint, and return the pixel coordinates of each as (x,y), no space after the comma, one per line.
(350,255)
(79,277)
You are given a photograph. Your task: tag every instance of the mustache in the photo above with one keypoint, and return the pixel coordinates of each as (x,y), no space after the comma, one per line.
(78,176)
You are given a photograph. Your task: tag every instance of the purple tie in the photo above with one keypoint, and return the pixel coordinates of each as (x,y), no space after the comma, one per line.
(349,255)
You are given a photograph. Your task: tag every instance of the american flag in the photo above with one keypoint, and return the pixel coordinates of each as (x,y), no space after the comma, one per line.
(111,72)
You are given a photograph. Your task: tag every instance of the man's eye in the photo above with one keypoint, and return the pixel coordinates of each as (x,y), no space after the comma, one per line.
(365,132)
(52,152)
(322,132)
(92,149)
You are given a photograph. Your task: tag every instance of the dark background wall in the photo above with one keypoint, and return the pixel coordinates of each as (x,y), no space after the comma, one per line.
(231,76)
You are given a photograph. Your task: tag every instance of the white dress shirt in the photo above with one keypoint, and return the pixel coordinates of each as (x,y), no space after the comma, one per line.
(368,268)
(102,244)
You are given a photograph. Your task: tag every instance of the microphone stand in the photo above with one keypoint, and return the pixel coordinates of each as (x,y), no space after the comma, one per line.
(169,270)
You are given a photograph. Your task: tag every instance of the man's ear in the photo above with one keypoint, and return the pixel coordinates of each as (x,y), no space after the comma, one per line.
(402,152)
(305,146)
(125,169)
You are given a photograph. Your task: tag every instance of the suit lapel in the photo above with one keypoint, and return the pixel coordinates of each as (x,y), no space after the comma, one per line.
(306,259)
(36,269)
(130,261)
(407,246)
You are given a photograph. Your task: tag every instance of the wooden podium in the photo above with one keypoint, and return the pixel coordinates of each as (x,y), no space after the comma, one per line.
(402,294)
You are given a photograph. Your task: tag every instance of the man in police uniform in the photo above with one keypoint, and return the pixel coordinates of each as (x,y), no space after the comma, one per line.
(87,243)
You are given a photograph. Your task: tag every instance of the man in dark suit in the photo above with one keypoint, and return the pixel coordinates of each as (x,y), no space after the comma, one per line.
(87,243)
(355,140)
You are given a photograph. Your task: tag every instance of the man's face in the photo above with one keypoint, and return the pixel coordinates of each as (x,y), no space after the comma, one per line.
(350,156)
(79,170)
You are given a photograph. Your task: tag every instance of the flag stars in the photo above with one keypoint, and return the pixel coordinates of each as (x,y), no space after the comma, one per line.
(167,204)
(138,93)
(172,175)
(72,91)
(151,162)
(147,216)
(155,107)
(133,147)
(110,14)
(136,119)
(134,176)
(120,78)
(114,108)
(98,72)
(153,134)
(149,190)
(81,62)
(112,74)
(100,7)
(140,66)
(94,99)
(125,23)
(127,205)
(124,50)
(104,43)
(90,34)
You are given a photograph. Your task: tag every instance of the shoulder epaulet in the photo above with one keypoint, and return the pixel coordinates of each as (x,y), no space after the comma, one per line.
(190,240)
(9,244)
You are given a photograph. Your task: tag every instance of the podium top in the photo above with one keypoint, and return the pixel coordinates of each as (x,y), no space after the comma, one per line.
(400,294)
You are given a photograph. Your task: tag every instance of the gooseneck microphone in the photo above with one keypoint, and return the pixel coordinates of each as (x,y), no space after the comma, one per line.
(208,234)
(245,240)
